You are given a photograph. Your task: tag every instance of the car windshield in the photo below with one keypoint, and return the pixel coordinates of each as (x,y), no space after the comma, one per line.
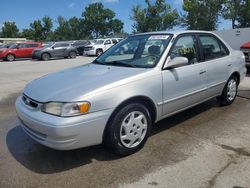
(99,42)
(142,51)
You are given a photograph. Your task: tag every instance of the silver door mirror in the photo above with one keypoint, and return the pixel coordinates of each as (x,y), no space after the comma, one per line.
(176,62)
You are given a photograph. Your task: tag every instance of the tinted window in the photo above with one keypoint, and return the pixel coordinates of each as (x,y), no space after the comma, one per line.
(79,43)
(212,47)
(107,42)
(61,45)
(114,41)
(185,46)
(32,45)
(22,45)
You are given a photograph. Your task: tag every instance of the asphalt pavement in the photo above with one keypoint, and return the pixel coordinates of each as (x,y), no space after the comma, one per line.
(205,146)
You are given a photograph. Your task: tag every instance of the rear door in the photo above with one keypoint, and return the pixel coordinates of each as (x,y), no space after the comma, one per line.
(215,56)
(21,50)
(60,49)
(184,86)
(30,48)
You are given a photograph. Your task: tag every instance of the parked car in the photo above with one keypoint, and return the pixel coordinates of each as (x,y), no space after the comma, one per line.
(19,50)
(118,97)
(55,50)
(5,46)
(80,44)
(245,48)
(100,46)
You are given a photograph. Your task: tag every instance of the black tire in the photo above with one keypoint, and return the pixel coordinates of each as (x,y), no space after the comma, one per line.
(72,54)
(99,52)
(114,130)
(226,97)
(10,57)
(45,56)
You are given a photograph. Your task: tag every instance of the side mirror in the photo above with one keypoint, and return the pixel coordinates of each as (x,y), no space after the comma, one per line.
(176,62)
(53,47)
(18,47)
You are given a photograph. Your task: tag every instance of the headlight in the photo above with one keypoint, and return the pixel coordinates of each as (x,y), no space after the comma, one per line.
(66,109)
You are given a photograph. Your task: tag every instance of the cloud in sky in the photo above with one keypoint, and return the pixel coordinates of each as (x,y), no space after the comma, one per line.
(71,5)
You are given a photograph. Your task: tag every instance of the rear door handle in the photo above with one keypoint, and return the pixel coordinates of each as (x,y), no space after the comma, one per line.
(229,65)
(202,71)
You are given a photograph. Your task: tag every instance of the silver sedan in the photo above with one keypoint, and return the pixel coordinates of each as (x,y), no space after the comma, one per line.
(118,97)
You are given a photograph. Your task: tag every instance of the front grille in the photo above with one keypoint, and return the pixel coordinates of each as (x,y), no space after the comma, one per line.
(87,48)
(29,102)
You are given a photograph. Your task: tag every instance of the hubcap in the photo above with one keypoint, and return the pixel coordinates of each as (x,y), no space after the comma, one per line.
(10,57)
(133,129)
(231,89)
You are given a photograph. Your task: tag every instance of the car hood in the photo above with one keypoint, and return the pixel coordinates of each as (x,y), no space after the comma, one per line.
(76,83)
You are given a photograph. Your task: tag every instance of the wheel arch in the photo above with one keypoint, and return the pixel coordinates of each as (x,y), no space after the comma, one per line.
(10,53)
(237,75)
(144,100)
(46,53)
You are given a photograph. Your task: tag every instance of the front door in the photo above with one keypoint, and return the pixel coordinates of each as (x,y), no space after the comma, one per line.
(184,86)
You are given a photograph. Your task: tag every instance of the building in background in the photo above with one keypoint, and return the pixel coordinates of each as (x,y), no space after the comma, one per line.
(235,37)
(11,40)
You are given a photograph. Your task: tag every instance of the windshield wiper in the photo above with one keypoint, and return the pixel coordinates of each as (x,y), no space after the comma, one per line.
(98,62)
(119,63)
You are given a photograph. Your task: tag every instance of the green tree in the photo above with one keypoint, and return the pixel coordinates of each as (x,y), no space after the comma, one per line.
(10,30)
(201,14)
(40,30)
(47,25)
(232,10)
(244,15)
(155,17)
(63,31)
(27,33)
(37,30)
(99,21)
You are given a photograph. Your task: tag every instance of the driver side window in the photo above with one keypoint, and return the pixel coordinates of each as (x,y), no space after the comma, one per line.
(185,47)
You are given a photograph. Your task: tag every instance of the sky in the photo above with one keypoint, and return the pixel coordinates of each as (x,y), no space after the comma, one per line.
(23,12)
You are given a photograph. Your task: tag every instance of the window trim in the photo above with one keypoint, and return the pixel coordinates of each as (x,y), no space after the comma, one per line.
(195,36)
(218,40)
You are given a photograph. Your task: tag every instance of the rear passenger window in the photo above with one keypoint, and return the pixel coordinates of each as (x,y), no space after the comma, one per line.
(114,41)
(61,45)
(185,47)
(212,47)
(32,45)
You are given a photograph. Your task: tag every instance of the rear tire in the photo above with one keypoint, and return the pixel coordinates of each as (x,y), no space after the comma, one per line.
(45,56)
(229,92)
(10,57)
(128,129)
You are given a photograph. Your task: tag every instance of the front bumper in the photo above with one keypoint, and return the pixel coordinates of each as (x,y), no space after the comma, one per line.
(62,133)
(36,55)
(90,52)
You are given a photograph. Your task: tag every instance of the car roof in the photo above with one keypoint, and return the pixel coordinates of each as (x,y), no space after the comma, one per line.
(175,32)
(28,42)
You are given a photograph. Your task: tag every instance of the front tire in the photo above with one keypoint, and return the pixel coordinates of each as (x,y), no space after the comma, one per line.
(229,92)
(45,56)
(128,130)
(10,57)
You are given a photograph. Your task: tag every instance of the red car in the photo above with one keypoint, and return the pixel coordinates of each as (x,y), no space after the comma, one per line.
(19,50)
(245,48)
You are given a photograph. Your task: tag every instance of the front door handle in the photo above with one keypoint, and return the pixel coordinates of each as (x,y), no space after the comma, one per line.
(202,71)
